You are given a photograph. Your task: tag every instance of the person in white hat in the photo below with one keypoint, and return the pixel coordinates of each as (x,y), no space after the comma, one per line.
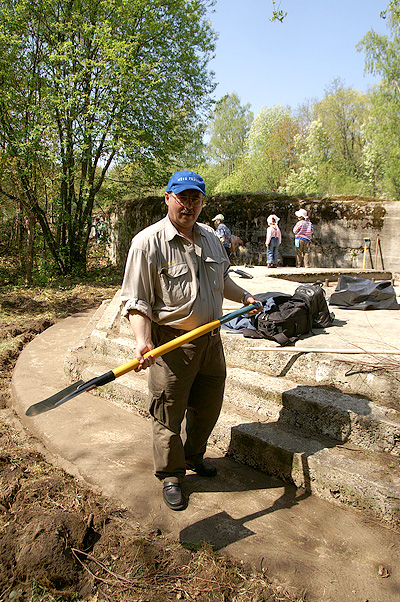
(303,232)
(273,240)
(223,232)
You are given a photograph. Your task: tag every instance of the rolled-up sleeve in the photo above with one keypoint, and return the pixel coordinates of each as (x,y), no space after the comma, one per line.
(137,291)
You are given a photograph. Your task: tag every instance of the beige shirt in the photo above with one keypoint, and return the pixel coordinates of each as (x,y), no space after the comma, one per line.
(173,281)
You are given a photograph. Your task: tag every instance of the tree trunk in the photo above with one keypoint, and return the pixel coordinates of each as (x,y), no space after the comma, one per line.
(30,226)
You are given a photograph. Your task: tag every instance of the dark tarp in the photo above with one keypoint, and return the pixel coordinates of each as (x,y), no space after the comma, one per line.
(362,293)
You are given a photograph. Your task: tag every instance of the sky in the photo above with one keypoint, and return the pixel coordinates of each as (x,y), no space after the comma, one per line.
(271,63)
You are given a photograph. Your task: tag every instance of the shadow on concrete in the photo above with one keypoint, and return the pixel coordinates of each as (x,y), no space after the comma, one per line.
(282,449)
(221,529)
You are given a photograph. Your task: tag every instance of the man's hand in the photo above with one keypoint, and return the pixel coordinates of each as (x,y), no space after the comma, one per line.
(142,347)
(234,292)
(141,327)
(249,300)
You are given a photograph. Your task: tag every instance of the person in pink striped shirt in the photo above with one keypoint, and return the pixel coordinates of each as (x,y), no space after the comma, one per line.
(303,232)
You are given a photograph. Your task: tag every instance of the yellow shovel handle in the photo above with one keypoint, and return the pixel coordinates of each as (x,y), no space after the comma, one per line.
(170,346)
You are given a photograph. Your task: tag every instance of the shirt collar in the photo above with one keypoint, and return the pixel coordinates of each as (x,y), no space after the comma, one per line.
(171,231)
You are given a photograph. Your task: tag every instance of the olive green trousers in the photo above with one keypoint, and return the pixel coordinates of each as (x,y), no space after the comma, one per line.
(186,390)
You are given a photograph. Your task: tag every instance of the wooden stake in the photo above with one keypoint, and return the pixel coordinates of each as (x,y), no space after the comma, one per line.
(380,250)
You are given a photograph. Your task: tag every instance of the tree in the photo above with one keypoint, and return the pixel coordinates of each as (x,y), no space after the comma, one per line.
(382,157)
(382,55)
(87,84)
(270,153)
(342,113)
(330,154)
(313,173)
(228,128)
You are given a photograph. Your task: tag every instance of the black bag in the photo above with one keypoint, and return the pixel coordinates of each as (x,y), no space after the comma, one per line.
(314,296)
(362,293)
(284,322)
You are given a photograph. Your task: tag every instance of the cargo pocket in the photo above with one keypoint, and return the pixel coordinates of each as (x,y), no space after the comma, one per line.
(164,413)
(175,283)
(157,408)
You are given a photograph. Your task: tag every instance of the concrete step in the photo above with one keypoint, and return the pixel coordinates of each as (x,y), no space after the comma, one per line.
(315,409)
(342,474)
(310,369)
(113,337)
(340,446)
(329,369)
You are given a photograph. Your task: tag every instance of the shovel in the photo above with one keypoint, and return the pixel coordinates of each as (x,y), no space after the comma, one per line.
(80,387)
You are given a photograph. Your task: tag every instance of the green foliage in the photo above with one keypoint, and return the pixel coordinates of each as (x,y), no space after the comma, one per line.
(330,153)
(382,152)
(212,174)
(228,128)
(269,155)
(343,112)
(85,86)
(278,14)
(381,157)
(348,143)
(313,161)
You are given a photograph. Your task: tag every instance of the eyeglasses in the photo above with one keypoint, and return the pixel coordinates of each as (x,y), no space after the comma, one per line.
(185,201)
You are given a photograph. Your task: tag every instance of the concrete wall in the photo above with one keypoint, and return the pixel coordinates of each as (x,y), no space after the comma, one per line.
(340,226)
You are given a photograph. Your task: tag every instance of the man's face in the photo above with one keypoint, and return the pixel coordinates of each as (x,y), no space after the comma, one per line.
(184,208)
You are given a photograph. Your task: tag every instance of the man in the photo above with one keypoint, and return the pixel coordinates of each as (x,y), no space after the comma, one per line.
(223,232)
(176,277)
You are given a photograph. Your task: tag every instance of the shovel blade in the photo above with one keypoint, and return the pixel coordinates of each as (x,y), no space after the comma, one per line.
(53,401)
(68,393)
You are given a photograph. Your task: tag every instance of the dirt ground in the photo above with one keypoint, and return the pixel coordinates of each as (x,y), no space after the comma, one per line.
(59,541)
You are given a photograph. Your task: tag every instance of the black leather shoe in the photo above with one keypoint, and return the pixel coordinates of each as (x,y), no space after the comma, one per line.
(203,469)
(173,496)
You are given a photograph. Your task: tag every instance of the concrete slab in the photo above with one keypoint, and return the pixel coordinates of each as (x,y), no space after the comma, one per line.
(329,274)
(251,516)
(372,330)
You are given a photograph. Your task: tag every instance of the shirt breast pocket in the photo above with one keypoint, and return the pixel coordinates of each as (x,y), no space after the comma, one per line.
(175,284)
(215,271)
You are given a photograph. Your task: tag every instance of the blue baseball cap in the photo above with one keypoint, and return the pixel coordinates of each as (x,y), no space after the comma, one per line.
(186,180)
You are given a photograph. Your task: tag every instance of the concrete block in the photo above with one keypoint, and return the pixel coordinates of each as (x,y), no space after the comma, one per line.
(338,474)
